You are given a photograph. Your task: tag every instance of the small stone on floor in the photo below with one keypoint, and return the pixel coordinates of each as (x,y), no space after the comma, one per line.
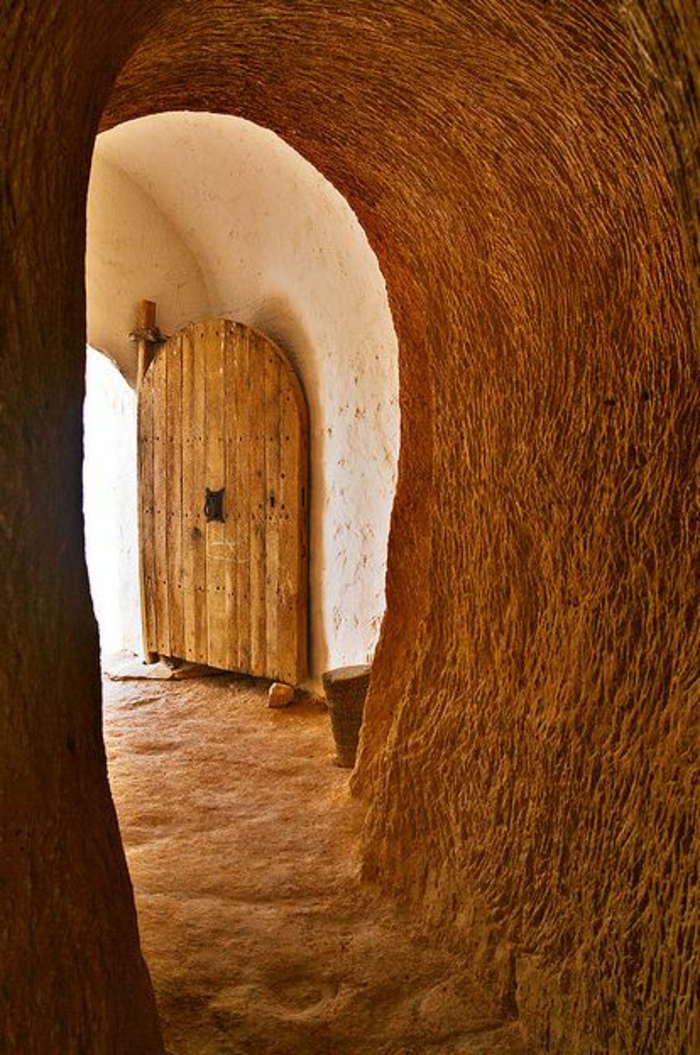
(280,695)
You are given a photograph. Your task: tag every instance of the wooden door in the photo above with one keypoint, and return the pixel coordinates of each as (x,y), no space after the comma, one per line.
(222,413)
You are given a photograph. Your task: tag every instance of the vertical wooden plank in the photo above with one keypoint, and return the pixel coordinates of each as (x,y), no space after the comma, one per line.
(302,530)
(258,506)
(200,472)
(145,325)
(232,508)
(174,497)
(241,432)
(146,517)
(193,525)
(215,480)
(160,497)
(272,506)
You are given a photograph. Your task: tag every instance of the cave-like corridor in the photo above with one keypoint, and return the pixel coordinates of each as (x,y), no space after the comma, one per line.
(394,307)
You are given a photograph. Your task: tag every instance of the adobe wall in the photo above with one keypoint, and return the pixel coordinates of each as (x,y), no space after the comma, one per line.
(73,978)
(530,757)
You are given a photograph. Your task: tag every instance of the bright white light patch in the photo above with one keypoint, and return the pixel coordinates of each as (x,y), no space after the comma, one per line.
(110,504)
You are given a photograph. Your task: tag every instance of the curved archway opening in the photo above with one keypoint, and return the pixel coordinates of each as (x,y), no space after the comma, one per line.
(551,244)
(259,236)
(211,215)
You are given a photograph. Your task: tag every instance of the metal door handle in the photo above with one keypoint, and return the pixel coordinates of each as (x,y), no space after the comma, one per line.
(214,505)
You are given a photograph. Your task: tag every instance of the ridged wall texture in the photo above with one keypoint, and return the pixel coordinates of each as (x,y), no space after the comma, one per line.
(526,172)
(72,979)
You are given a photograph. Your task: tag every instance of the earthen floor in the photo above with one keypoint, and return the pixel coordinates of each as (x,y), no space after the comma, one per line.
(241,839)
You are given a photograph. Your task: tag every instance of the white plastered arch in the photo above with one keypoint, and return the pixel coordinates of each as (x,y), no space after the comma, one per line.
(211,215)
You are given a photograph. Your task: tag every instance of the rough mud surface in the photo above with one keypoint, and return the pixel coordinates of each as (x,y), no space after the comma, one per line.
(242,844)
(528,180)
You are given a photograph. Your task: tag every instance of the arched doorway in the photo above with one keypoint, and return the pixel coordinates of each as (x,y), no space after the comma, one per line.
(259,236)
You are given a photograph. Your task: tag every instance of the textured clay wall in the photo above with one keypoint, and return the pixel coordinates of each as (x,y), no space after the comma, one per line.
(73,979)
(530,757)
(272,244)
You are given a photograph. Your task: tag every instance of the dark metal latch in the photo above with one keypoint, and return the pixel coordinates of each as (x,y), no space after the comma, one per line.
(214,504)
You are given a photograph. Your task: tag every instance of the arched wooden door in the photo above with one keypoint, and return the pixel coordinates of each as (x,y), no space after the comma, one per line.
(223,493)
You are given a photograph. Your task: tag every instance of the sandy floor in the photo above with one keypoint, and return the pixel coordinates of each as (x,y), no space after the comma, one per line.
(241,841)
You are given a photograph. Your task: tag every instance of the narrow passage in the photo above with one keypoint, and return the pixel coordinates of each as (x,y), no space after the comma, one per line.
(242,845)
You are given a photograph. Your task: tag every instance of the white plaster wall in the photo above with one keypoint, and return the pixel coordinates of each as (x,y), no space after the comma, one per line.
(134,253)
(278,248)
(110,504)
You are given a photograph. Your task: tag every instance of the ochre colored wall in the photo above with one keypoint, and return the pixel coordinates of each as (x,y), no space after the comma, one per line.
(530,756)
(73,979)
